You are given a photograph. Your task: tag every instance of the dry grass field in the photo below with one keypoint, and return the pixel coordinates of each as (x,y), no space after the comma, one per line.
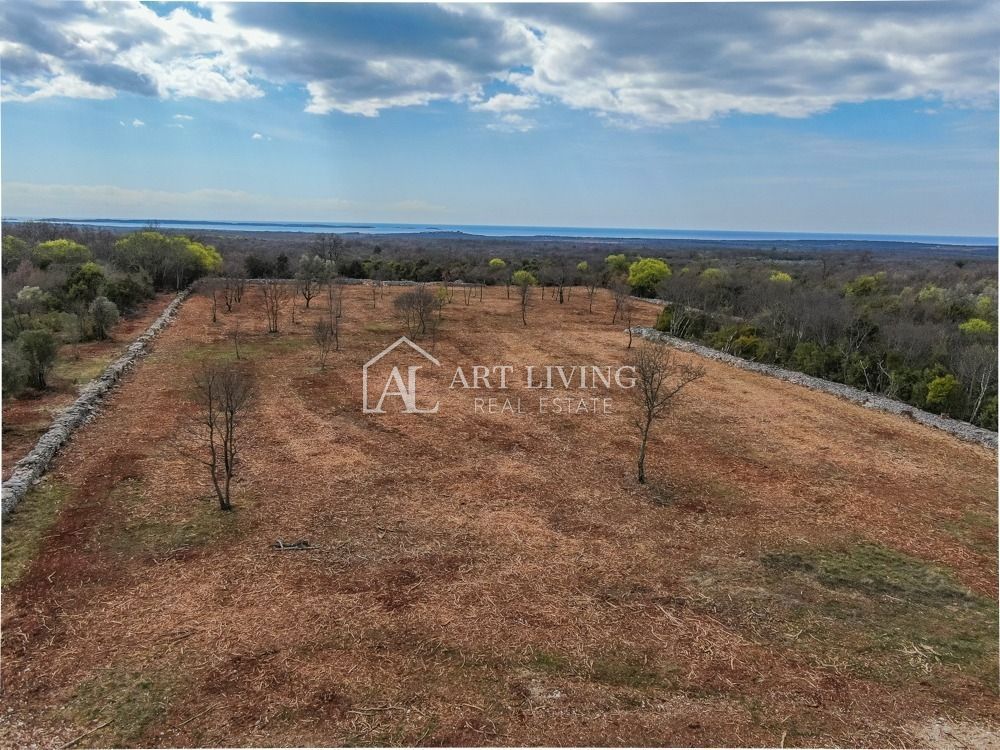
(799,571)
(27,417)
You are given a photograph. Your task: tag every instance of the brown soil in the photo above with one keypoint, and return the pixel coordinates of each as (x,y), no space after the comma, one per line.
(27,417)
(497,579)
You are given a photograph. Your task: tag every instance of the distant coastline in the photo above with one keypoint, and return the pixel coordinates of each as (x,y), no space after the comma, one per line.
(524,232)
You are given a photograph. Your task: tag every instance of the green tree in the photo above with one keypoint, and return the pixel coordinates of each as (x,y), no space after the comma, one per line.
(104,315)
(38,352)
(85,283)
(780,277)
(976,328)
(646,274)
(945,393)
(617,265)
(866,285)
(128,291)
(59,252)
(169,261)
(15,251)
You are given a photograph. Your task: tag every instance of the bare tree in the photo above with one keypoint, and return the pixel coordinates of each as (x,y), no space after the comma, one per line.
(325,336)
(627,313)
(658,379)
(230,292)
(620,291)
(213,290)
(591,280)
(417,308)
(274,295)
(310,276)
(976,367)
(236,338)
(524,280)
(335,300)
(224,393)
(468,292)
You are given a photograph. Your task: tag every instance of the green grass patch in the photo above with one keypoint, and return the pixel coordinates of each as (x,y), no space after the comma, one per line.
(133,701)
(977,531)
(204,525)
(625,671)
(80,371)
(382,326)
(883,613)
(872,570)
(24,531)
(550,663)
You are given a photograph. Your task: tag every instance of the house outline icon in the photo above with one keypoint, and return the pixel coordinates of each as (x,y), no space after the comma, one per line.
(411,408)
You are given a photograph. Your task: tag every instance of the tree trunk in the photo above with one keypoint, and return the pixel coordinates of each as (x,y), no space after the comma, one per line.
(642,455)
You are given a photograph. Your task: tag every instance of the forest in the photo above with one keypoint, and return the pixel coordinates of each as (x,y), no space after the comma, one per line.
(916,324)
(59,290)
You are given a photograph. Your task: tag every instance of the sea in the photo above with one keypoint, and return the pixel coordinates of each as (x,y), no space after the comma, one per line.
(501,230)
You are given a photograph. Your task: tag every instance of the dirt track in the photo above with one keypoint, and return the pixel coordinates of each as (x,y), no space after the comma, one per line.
(501,579)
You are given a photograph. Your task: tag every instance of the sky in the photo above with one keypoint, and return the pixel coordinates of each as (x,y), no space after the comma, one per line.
(863,117)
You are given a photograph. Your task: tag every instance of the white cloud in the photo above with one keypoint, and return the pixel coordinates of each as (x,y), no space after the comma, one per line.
(512,123)
(186,118)
(633,65)
(257,137)
(507,103)
(137,123)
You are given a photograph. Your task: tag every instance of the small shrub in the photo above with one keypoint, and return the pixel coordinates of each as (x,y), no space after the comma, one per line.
(38,352)
(103,314)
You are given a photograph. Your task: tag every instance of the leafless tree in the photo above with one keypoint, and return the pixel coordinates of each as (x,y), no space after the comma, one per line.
(224,394)
(310,276)
(592,279)
(976,367)
(658,380)
(627,313)
(524,280)
(236,338)
(468,292)
(274,295)
(325,336)
(417,308)
(378,285)
(620,292)
(213,292)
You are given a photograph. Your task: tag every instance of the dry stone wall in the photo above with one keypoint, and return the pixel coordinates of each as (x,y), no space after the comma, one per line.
(30,469)
(962,430)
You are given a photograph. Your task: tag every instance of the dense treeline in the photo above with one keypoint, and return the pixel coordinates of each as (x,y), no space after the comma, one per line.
(58,290)
(922,333)
(915,323)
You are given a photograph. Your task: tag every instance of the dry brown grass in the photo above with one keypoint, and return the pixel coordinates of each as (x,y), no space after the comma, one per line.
(503,579)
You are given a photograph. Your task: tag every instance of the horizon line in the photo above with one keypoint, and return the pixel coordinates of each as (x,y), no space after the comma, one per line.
(426,227)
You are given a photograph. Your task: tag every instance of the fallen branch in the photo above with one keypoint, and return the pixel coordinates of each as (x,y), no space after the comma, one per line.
(85,734)
(301,544)
(188,721)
